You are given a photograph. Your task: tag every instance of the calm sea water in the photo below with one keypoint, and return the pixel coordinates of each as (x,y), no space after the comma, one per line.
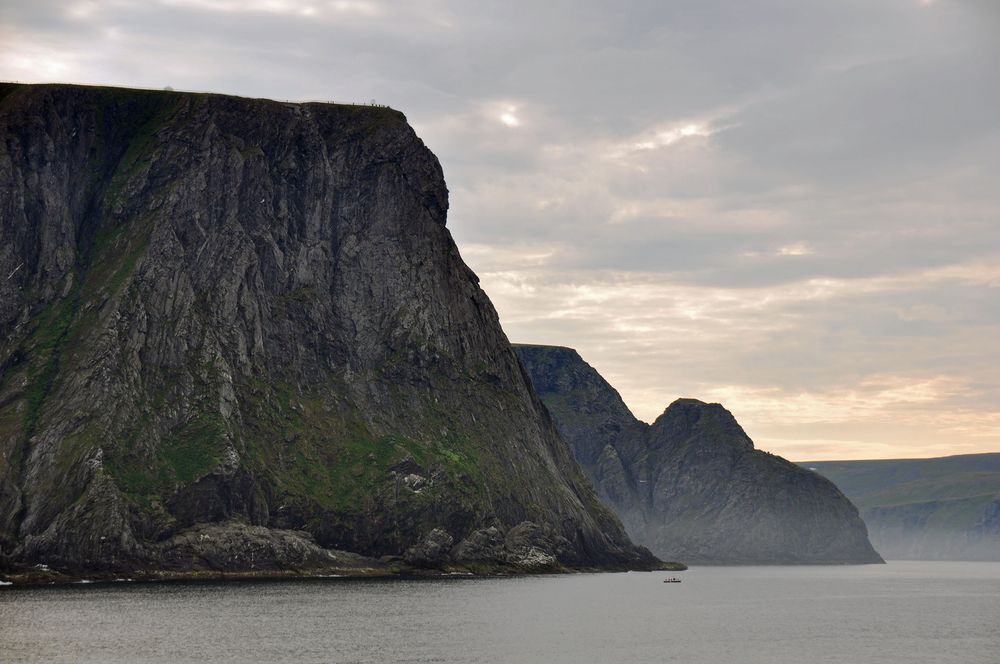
(900,612)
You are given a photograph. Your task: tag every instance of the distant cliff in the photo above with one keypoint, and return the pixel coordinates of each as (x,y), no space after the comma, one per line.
(691,486)
(925,509)
(235,335)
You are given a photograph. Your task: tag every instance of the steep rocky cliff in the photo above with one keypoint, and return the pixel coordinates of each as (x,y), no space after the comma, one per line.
(235,334)
(691,486)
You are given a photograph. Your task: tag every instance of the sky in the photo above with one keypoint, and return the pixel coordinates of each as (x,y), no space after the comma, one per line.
(790,207)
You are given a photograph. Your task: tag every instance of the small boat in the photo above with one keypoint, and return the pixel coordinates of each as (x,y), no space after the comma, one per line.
(672,579)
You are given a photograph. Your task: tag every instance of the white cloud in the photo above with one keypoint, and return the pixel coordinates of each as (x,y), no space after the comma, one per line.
(795,249)
(509,117)
(754,350)
(305,8)
(37,64)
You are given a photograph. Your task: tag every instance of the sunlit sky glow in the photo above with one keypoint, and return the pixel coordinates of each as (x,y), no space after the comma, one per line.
(788,206)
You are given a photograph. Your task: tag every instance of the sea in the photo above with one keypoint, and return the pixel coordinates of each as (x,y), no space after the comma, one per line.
(933,612)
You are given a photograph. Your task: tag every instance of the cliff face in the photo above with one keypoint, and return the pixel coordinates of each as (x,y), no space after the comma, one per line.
(691,486)
(925,509)
(250,314)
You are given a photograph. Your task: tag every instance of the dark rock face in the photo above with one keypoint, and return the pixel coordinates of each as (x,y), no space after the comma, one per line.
(246,313)
(691,486)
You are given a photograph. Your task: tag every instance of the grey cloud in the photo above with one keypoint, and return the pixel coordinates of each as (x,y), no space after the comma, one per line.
(860,136)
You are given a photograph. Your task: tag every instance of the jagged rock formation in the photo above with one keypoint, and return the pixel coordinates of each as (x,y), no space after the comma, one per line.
(246,313)
(691,486)
(925,509)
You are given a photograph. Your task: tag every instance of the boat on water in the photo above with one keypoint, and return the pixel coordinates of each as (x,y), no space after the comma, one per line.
(672,579)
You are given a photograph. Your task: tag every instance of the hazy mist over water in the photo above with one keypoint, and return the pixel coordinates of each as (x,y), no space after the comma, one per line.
(900,612)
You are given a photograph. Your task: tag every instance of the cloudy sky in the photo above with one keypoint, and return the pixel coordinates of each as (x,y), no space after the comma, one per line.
(788,206)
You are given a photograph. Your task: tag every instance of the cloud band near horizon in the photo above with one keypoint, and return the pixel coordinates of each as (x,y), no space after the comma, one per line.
(790,207)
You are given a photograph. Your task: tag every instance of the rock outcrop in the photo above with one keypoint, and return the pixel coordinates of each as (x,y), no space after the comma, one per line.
(691,486)
(232,325)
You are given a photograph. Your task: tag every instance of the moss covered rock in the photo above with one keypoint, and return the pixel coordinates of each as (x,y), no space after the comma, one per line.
(217,310)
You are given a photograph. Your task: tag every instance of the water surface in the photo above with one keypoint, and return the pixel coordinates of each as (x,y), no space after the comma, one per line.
(901,612)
